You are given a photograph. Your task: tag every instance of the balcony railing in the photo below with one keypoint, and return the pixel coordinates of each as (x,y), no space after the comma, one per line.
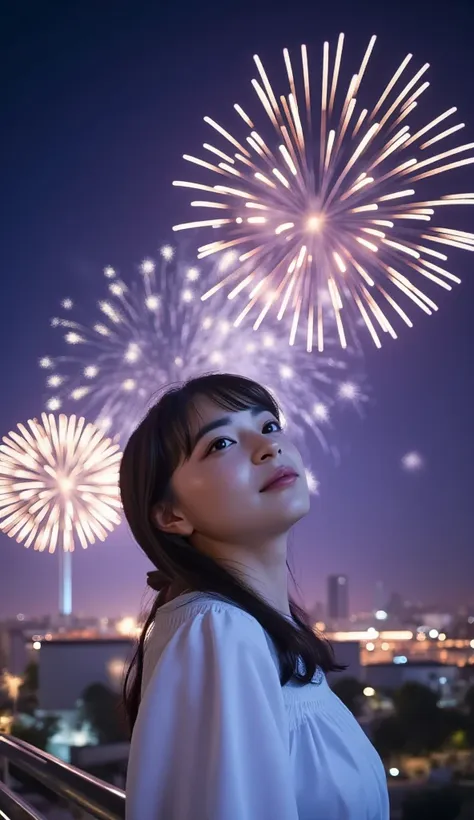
(93,796)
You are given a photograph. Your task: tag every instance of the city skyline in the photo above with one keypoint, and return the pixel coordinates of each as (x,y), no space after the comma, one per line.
(94,140)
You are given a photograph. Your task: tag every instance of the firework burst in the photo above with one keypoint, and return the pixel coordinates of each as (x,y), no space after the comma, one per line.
(58,483)
(153,330)
(326,211)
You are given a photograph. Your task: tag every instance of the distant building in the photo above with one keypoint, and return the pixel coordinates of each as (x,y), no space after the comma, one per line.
(68,666)
(16,644)
(380,597)
(396,606)
(14,655)
(338,598)
(441,678)
(21,637)
(316,612)
(437,620)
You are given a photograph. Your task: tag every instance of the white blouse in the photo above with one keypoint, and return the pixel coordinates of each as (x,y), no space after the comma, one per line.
(218,738)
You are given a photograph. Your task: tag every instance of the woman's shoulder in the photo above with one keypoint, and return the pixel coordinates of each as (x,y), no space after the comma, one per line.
(198,622)
(198,613)
(201,605)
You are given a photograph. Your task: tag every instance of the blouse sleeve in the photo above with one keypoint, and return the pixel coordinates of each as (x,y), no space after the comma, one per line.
(211,741)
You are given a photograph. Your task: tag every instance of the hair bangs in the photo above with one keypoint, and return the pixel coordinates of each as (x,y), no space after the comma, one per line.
(236,393)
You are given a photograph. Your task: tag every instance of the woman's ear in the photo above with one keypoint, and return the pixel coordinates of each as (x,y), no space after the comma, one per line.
(170,519)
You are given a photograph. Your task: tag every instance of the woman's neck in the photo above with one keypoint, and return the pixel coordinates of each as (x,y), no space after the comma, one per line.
(262,568)
(174,590)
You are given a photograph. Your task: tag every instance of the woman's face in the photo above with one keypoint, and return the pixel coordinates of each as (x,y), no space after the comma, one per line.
(245,481)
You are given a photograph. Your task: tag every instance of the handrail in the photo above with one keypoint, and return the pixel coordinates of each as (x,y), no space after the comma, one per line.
(96,797)
(12,806)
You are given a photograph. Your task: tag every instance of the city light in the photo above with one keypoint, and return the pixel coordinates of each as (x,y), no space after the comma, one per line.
(127,626)
(12,684)
(433,633)
(398,659)
(372,634)
(381,615)
(394,772)
(369,692)
(116,669)
(350,636)
(370,646)
(37,645)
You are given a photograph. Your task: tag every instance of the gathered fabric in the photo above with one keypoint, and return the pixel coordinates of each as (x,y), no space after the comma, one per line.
(218,738)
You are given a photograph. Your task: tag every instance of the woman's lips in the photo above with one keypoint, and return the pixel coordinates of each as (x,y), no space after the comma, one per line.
(283,477)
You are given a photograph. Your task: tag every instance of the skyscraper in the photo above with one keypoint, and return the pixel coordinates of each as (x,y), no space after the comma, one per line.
(338,598)
(380,597)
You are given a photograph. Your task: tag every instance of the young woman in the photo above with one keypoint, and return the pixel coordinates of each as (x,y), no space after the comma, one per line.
(232,716)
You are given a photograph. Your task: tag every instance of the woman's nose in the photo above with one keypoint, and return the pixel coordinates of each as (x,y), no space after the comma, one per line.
(267,450)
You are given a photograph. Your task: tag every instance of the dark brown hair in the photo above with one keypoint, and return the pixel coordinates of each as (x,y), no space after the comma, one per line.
(154,451)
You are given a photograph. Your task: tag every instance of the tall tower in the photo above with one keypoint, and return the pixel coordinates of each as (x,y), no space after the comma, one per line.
(65,583)
(380,597)
(338,598)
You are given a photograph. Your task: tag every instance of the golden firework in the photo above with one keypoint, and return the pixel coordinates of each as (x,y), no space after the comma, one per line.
(58,483)
(327,217)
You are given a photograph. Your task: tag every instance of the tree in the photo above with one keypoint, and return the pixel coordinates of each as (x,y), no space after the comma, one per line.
(28,691)
(454,726)
(469,701)
(421,719)
(419,726)
(413,701)
(389,737)
(441,804)
(101,709)
(469,704)
(351,692)
(30,678)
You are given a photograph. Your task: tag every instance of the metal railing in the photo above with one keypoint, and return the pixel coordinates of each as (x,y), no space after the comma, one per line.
(94,796)
(12,807)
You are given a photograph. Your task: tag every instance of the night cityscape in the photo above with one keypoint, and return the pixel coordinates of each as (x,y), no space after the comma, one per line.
(101,308)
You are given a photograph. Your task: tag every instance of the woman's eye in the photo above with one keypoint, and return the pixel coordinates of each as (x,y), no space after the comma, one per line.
(220,444)
(272,427)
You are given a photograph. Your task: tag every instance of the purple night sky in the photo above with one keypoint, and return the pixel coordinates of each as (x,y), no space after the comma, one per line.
(101,102)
